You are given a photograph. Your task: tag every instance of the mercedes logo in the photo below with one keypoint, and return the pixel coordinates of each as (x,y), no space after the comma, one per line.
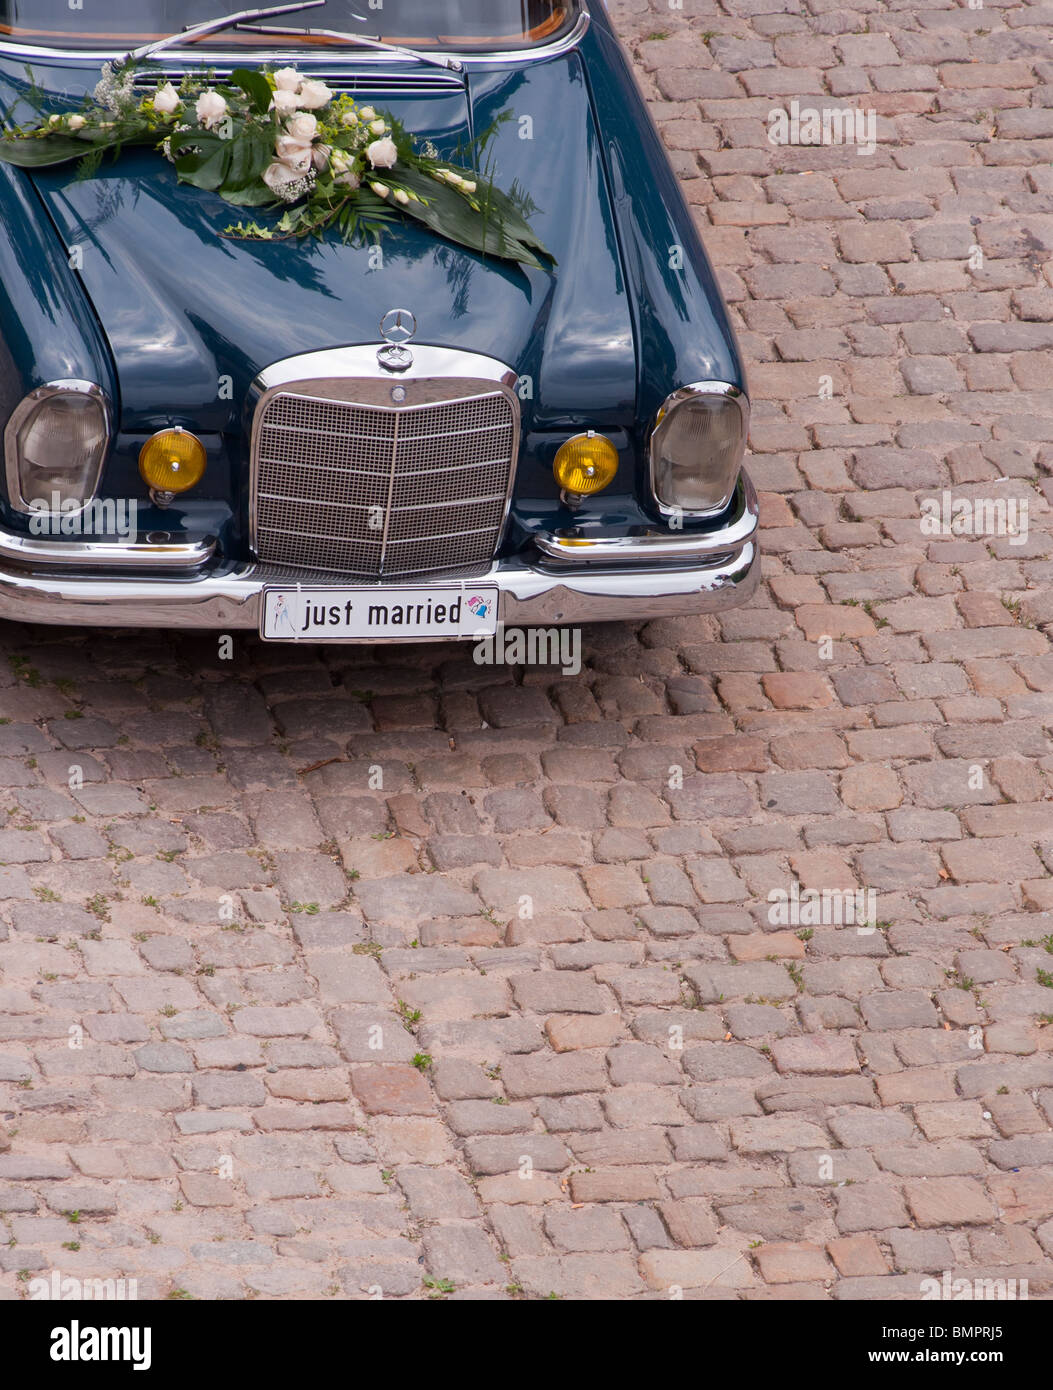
(398,326)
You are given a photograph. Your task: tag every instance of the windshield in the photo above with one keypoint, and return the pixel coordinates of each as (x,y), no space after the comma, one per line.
(460,24)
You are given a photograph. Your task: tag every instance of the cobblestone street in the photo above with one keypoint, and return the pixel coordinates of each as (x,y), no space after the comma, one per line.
(355,972)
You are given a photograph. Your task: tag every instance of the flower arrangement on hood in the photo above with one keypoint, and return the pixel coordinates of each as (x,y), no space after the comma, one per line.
(281,140)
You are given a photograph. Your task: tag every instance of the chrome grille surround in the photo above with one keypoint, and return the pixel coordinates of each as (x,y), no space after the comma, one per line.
(347,481)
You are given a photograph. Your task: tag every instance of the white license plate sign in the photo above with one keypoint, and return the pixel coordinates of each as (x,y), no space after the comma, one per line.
(355,614)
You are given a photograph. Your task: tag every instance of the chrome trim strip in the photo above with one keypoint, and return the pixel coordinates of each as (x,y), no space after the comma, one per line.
(678,397)
(32,553)
(528,597)
(342,367)
(650,546)
(361,361)
(513,56)
(416,83)
(23,410)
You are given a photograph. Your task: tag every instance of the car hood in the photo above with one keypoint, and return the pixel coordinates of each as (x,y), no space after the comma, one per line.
(191,316)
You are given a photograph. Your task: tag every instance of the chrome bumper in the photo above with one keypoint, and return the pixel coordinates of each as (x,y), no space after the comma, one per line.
(625,579)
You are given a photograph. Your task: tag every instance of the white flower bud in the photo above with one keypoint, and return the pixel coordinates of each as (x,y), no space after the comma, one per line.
(314,95)
(285,102)
(382,154)
(166,100)
(303,127)
(210,109)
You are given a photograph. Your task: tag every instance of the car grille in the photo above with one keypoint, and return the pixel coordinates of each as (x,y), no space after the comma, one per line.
(376,491)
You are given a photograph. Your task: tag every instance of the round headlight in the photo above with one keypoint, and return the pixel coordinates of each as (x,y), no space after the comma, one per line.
(586,464)
(697,447)
(55,444)
(172,461)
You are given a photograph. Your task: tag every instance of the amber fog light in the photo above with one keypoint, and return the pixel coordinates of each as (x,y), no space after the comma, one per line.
(585,465)
(172,462)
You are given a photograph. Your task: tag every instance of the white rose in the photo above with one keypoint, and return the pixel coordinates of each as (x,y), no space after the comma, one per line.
(302,127)
(349,118)
(378,127)
(367,113)
(314,95)
(287,80)
(349,180)
(76,122)
(468,186)
(278,175)
(382,154)
(294,154)
(380,189)
(210,108)
(167,100)
(285,103)
(401,196)
(320,156)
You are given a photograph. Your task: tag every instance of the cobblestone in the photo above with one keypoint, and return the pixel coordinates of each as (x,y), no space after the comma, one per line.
(521,1016)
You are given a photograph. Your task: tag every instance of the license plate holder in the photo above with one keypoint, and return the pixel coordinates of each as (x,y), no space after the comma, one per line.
(378,613)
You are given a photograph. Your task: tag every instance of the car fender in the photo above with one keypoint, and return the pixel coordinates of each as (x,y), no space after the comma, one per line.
(48,331)
(683,331)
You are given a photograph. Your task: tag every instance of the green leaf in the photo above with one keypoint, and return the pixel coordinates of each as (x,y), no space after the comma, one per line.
(451,215)
(255,86)
(504,209)
(255,196)
(88,167)
(252,153)
(40,154)
(206,160)
(248,231)
(512,219)
(47,151)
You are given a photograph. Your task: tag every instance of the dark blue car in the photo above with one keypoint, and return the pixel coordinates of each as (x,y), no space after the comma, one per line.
(362,437)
